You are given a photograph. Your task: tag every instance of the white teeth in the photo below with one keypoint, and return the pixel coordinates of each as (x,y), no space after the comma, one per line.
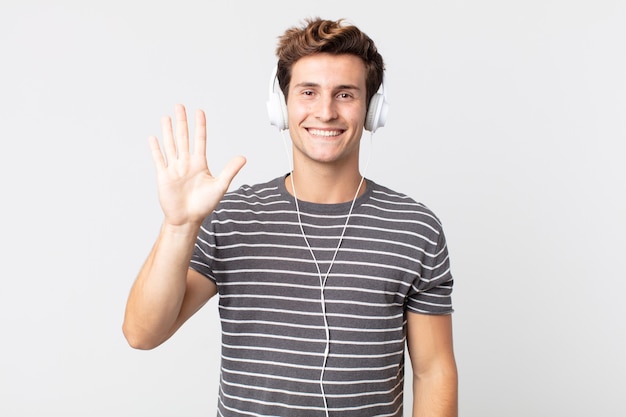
(326,133)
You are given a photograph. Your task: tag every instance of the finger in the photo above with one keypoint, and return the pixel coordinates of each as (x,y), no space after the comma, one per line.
(199,145)
(231,169)
(157,155)
(169,146)
(182,130)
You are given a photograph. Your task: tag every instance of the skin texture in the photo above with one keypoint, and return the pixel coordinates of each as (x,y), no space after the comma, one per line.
(435,380)
(326,108)
(166,292)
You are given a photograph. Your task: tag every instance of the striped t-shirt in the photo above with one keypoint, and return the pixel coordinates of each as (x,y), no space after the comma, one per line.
(393,259)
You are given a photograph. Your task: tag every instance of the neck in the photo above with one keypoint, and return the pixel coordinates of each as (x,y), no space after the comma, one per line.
(325,187)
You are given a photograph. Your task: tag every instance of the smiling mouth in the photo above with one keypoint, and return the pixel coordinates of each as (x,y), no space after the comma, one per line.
(325,133)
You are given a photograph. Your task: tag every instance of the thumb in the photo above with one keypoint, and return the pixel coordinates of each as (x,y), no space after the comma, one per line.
(231,169)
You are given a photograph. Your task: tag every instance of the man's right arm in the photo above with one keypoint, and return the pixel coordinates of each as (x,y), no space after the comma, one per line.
(166,292)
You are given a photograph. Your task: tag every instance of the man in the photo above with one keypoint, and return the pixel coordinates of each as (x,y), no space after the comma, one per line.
(322,275)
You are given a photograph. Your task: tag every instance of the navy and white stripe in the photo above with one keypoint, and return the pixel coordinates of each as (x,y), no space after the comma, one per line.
(393,259)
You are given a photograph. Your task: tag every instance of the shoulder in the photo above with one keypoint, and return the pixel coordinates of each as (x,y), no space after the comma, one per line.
(399,206)
(251,200)
(265,191)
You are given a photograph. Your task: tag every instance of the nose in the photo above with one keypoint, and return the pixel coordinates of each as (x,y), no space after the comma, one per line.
(326,109)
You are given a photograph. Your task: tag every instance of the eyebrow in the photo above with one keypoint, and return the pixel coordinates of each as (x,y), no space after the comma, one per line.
(339,87)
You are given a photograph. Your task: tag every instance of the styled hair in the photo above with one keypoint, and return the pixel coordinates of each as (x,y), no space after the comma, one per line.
(328,36)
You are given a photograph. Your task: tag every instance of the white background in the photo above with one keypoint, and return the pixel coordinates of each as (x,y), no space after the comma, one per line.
(507,118)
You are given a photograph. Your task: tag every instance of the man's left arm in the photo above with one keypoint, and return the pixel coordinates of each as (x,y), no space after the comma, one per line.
(435,379)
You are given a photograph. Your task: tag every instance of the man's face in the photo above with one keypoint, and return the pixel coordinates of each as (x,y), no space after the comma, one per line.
(326,108)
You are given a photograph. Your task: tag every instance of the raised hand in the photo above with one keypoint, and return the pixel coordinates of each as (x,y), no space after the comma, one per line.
(188,192)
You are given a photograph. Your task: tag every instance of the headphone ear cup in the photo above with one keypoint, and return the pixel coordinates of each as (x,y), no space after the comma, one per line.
(276,104)
(376,113)
(277,110)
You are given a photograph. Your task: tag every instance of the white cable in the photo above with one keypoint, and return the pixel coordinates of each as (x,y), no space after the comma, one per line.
(319,272)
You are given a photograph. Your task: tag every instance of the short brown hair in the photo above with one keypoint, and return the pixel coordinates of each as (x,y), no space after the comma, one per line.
(328,36)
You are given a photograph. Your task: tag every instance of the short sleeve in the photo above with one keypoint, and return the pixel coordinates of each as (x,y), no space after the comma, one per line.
(204,250)
(431,292)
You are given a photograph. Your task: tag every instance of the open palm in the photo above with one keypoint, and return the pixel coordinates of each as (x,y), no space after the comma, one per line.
(188,192)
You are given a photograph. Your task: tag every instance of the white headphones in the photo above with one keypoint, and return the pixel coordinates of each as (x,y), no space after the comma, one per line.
(277,107)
